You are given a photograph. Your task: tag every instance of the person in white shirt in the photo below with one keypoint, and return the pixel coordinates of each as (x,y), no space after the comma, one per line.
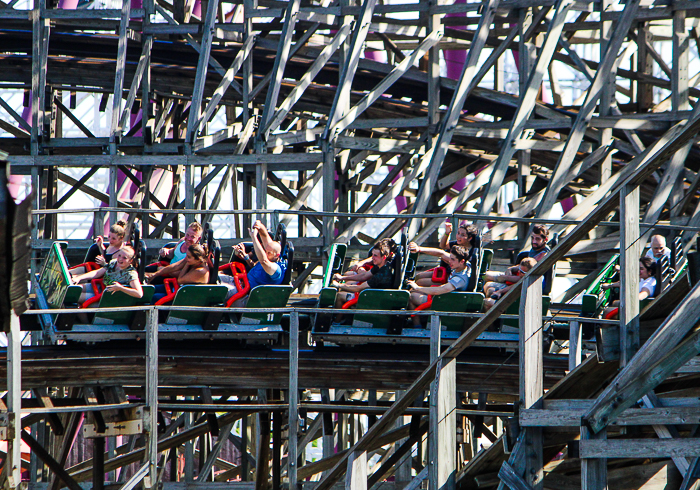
(658,248)
(458,280)
(647,282)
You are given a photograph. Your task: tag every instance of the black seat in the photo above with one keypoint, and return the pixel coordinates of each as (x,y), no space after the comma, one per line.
(663,275)
(677,255)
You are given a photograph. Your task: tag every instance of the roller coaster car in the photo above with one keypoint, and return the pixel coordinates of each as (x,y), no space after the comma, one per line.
(595,298)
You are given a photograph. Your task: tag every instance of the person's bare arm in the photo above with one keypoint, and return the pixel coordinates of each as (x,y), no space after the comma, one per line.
(264,235)
(190,275)
(88,276)
(445,240)
(135,290)
(269,266)
(435,252)
(172,270)
(351,288)
(361,276)
(358,265)
(431,290)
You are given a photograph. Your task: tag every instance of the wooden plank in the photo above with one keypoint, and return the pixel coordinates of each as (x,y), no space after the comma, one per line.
(341,98)
(115,130)
(531,373)
(293,394)
(201,75)
(307,78)
(282,55)
(573,142)
(652,369)
(378,90)
(511,478)
(434,159)
(594,472)
(356,475)
(226,81)
(639,448)
(630,252)
(527,104)
(442,434)
(571,417)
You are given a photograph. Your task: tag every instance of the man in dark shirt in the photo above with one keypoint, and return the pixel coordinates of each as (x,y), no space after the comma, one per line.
(380,276)
(538,242)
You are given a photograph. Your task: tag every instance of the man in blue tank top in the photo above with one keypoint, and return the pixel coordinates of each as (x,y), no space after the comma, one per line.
(269,270)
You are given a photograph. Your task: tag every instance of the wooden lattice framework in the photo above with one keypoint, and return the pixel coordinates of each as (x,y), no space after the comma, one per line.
(301,66)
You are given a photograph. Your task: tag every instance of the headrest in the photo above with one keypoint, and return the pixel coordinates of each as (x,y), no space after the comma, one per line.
(281,237)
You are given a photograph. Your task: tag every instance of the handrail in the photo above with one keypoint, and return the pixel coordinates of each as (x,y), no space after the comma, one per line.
(661,225)
(291,309)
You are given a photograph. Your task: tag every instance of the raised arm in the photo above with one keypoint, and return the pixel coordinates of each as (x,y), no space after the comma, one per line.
(264,235)
(435,252)
(445,240)
(269,266)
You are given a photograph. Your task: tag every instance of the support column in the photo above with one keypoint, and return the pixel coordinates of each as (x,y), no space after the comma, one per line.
(607,95)
(442,434)
(531,374)
(528,55)
(14,404)
(356,474)
(630,251)
(151,479)
(594,472)
(293,450)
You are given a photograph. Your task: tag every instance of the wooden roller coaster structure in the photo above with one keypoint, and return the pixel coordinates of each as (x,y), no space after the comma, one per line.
(350,96)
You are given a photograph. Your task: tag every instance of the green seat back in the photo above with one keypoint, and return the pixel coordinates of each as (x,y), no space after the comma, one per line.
(266,297)
(55,280)
(486,259)
(120,299)
(196,295)
(595,298)
(458,302)
(514,309)
(379,299)
(336,258)
(326,298)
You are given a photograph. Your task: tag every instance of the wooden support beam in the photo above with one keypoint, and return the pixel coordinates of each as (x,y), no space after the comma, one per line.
(380,89)
(226,81)
(308,77)
(13,462)
(532,374)
(115,130)
(340,101)
(527,104)
(606,70)
(282,55)
(443,426)
(432,161)
(630,252)
(356,475)
(293,394)
(201,76)
(652,367)
(49,461)
(639,448)
(594,472)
